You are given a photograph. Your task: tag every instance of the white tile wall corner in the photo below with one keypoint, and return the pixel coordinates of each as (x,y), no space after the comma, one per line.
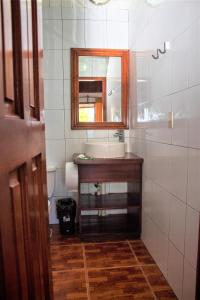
(171,156)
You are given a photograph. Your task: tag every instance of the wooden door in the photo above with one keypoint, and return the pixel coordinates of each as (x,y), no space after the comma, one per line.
(24,239)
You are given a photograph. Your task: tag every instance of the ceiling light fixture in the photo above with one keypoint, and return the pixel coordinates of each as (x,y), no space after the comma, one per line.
(99,2)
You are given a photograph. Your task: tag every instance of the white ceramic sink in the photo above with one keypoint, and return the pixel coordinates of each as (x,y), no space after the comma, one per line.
(104,149)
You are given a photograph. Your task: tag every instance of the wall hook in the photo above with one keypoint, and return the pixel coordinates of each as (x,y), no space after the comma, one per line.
(157,56)
(164,50)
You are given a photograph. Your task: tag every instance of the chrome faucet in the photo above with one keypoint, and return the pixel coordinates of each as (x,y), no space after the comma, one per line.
(120,135)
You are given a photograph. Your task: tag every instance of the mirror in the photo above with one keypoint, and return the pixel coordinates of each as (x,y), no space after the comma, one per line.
(99,88)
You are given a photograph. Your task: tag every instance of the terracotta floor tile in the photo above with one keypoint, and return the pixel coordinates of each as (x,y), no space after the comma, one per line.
(69,285)
(158,283)
(109,255)
(118,283)
(143,255)
(66,257)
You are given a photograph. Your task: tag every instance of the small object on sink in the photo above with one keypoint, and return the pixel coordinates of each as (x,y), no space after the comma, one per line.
(84,157)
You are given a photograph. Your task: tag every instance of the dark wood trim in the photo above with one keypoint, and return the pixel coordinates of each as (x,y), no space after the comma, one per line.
(127,159)
(124,54)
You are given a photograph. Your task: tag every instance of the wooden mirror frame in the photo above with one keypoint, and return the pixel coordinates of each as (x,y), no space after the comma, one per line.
(75,53)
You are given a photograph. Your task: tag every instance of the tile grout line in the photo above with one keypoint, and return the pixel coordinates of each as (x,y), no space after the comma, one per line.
(148,283)
(106,268)
(86,273)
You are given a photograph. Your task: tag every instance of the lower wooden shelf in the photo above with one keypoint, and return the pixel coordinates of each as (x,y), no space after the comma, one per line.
(109,201)
(111,224)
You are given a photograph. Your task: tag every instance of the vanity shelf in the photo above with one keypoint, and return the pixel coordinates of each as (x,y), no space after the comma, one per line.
(109,201)
(124,223)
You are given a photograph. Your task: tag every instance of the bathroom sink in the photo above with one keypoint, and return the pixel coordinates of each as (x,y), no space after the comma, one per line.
(104,149)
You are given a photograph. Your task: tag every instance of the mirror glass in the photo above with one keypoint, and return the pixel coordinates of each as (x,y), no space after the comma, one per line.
(99,89)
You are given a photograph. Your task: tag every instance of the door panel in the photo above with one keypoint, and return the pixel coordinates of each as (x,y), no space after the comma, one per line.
(18,198)
(24,239)
(8,51)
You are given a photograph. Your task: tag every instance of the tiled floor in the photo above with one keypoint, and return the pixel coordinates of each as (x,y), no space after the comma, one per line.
(117,270)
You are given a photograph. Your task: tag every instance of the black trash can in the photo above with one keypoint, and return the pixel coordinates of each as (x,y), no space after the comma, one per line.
(66,213)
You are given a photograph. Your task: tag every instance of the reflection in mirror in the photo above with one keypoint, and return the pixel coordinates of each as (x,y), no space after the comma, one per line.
(99,89)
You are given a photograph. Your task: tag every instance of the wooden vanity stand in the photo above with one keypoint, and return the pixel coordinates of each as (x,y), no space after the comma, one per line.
(127,169)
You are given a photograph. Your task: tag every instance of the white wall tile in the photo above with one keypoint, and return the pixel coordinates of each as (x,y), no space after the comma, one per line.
(116,14)
(67,94)
(177,223)
(180,53)
(117,35)
(119,187)
(193,102)
(72,13)
(52,34)
(189,282)
(55,153)
(95,134)
(194,56)
(69,133)
(147,196)
(66,64)
(72,3)
(74,146)
(178,182)
(84,188)
(161,208)
(60,186)
(193,179)
(180,129)
(175,270)
(95,34)
(53,94)
(54,120)
(51,9)
(191,236)
(169,166)
(95,12)
(73,34)
(161,253)
(53,64)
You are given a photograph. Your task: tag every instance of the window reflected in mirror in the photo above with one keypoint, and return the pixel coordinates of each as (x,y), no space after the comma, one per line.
(100,85)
